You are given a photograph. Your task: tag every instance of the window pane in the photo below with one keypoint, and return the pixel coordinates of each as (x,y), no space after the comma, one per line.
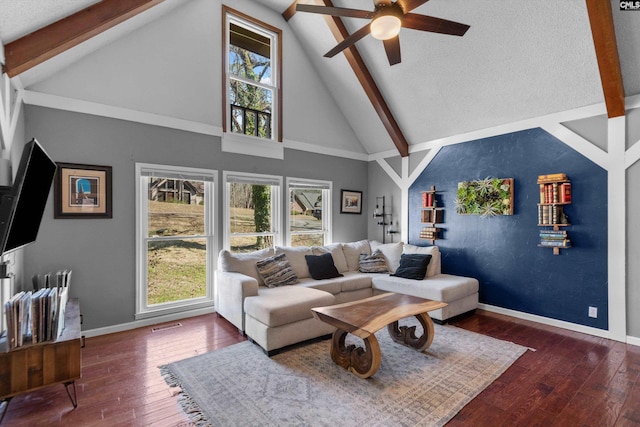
(242,244)
(306,209)
(176,207)
(251,108)
(249,55)
(177,270)
(307,240)
(249,208)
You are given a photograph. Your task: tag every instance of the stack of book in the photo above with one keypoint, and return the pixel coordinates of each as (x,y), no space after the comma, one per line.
(554,238)
(38,316)
(429,233)
(553,190)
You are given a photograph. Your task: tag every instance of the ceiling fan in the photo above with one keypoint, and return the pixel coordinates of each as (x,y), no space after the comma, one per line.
(387,18)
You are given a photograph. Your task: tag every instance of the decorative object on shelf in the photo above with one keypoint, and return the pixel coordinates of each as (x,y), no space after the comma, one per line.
(350,201)
(485,197)
(555,194)
(384,218)
(431,215)
(82,191)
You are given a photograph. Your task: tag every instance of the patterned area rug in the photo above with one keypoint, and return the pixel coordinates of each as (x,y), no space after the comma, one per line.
(240,386)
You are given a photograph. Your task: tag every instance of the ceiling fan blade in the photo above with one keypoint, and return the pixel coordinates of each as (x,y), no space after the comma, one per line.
(348,41)
(335,11)
(433,24)
(392,47)
(408,5)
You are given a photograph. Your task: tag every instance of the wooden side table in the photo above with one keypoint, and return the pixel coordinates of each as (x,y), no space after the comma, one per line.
(31,367)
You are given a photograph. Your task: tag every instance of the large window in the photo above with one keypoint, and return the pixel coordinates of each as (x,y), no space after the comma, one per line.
(175,243)
(252,211)
(252,77)
(309,218)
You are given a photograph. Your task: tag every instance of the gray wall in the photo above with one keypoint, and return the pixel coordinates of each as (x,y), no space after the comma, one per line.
(101,252)
(381,185)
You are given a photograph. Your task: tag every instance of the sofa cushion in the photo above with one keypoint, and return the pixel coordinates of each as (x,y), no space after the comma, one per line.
(295,255)
(321,266)
(413,266)
(352,253)
(336,252)
(434,264)
(351,281)
(276,271)
(283,305)
(391,252)
(441,287)
(243,263)
(374,263)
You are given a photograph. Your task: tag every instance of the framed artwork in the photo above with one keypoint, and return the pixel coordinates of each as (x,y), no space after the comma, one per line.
(486,197)
(82,191)
(351,201)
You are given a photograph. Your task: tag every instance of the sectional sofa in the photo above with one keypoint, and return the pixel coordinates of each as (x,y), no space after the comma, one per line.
(279,316)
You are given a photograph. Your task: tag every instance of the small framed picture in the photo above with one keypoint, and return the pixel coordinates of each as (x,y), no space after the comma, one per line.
(351,201)
(82,191)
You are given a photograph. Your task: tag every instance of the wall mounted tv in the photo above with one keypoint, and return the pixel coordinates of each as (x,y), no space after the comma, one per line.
(22,204)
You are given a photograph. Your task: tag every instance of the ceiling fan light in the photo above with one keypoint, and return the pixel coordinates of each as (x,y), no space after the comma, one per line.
(385,27)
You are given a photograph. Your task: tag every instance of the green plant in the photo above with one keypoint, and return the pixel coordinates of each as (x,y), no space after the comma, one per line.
(485,197)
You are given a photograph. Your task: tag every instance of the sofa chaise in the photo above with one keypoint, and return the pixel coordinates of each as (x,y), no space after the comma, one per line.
(279,316)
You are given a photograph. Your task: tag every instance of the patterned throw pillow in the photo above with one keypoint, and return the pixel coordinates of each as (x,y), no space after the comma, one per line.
(276,271)
(374,263)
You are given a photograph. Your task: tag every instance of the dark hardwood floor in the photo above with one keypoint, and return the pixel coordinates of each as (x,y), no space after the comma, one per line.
(571,379)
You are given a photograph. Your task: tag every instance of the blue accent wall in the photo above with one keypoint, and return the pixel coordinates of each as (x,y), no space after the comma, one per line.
(502,252)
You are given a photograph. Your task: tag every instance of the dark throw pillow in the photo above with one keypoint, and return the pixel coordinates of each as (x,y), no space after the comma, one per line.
(322,266)
(413,266)
(374,263)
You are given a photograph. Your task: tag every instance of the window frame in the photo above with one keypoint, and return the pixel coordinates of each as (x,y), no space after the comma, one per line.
(276,205)
(275,34)
(327,212)
(143,309)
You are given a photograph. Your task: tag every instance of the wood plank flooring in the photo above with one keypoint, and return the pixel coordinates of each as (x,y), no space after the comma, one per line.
(571,379)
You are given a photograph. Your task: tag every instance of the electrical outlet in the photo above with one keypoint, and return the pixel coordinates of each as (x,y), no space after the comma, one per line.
(593,312)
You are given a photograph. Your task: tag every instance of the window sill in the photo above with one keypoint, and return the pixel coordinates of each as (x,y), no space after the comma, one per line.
(252,146)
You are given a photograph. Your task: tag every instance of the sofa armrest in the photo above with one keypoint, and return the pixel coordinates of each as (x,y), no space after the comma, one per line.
(231,289)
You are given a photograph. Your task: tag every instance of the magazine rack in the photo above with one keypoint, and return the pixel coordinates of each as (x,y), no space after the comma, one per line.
(31,367)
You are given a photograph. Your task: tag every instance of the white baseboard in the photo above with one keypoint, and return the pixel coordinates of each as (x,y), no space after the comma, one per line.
(547,321)
(146,322)
(633,341)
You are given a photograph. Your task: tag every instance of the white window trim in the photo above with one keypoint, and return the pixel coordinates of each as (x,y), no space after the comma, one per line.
(276,205)
(143,310)
(246,144)
(327,217)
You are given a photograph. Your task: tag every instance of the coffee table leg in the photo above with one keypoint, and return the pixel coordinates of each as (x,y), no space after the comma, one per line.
(364,362)
(406,335)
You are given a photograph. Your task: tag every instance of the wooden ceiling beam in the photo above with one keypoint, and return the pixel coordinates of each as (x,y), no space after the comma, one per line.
(604,40)
(45,43)
(365,78)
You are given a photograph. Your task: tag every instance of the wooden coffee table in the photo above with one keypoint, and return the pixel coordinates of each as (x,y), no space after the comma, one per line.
(363,318)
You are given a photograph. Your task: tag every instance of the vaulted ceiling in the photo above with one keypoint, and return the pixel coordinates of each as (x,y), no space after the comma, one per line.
(520,59)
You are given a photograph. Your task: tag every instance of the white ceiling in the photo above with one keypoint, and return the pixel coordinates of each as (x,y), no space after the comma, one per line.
(520,59)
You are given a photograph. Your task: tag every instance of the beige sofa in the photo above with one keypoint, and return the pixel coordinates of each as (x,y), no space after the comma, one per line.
(277,317)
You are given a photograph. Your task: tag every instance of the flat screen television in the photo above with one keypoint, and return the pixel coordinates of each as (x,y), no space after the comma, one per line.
(22,204)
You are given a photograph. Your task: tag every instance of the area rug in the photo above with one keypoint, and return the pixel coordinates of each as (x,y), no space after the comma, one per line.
(240,386)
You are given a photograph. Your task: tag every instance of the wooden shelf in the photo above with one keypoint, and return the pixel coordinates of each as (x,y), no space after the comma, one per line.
(555,195)
(430,215)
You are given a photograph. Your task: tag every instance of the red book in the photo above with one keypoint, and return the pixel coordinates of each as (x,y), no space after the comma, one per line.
(565,192)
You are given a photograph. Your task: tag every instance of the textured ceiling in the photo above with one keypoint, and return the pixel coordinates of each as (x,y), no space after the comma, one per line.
(21,17)
(520,59)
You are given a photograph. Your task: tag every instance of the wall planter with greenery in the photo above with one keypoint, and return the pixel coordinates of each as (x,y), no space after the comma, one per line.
(485,197)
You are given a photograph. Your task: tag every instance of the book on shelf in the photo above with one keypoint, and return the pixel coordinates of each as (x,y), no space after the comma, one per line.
(552,177)
(565,243)
(427,199)
(565,192)
(429,233)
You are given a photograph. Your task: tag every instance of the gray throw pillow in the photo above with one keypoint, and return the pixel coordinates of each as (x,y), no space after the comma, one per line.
(374,263)
(276,271)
